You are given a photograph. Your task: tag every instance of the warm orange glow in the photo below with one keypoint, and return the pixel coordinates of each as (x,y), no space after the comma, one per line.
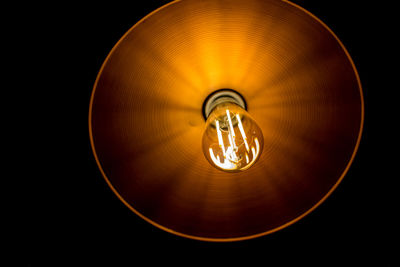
(221,129)
(146,123)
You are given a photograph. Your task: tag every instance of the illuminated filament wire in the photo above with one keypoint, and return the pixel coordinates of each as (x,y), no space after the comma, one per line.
(242,132)
(220,140)
(232,132)
(231,161)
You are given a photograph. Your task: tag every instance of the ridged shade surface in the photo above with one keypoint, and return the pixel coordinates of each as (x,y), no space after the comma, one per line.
(146,123)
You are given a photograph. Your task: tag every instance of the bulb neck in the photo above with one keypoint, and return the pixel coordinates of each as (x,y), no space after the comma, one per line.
(222,96)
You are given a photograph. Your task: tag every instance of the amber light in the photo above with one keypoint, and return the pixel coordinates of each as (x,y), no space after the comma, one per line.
(147,122)
(232,140)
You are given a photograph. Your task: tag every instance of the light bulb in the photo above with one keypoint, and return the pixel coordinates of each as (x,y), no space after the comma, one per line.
(232,140)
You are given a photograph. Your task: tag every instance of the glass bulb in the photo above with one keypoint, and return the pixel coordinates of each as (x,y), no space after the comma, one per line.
(232,140)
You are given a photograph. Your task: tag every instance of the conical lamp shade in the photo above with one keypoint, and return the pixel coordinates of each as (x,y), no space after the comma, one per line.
(146,123)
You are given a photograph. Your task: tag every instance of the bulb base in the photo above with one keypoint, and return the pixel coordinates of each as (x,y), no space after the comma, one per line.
(222,96)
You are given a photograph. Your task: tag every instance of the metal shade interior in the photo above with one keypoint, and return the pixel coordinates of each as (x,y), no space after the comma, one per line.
(146,122)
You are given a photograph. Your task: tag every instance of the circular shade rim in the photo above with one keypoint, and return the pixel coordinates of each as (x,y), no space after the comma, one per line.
(240,238)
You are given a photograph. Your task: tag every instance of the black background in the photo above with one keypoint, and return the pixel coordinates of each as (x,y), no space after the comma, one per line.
(78,217)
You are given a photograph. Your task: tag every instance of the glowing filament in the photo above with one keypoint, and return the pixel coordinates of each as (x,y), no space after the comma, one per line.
(230,125)
(242,132)
(220,141)
(232,159)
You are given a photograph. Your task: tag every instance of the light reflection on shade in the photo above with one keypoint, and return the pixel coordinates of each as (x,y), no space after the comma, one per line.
(146,123)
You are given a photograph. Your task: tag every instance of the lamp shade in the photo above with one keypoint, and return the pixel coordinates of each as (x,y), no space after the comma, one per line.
(146,123)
